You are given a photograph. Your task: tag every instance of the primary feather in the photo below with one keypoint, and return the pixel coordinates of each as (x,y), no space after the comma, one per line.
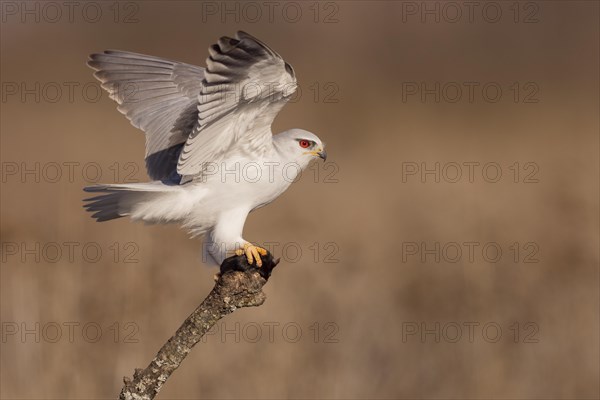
(158,96)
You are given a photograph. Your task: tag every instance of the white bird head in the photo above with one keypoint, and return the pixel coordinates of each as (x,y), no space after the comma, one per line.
(300,146)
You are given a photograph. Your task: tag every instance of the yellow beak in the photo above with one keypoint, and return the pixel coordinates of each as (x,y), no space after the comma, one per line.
(321,153)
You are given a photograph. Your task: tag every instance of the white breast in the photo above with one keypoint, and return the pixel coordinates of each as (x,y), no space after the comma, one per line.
(235,187)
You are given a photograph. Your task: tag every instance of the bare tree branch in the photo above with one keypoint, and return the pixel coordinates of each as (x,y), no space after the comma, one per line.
(239,285)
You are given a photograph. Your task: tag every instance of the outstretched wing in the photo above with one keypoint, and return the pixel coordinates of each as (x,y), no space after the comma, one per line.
(245,85)
(158,96)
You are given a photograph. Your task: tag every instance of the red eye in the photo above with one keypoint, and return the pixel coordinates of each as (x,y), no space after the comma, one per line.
(304,143)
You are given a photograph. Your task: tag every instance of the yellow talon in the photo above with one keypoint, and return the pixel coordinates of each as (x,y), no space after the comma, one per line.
(252,253)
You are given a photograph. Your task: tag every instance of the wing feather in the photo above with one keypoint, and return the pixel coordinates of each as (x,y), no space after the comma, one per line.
(192,115)
(245,85)
(158,96)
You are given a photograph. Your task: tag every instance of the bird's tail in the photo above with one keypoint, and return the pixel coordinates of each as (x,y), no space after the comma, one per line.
(141,201)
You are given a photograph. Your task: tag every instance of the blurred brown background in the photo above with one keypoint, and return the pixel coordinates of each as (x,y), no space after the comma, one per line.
(376,320)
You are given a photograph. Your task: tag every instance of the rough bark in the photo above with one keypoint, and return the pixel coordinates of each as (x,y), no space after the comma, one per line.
(238,285)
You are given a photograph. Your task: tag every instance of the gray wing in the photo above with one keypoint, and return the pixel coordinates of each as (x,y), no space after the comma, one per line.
(158,96)
(245,85)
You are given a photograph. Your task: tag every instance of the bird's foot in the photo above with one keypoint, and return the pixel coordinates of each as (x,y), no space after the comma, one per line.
(240,263)
(252,253)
